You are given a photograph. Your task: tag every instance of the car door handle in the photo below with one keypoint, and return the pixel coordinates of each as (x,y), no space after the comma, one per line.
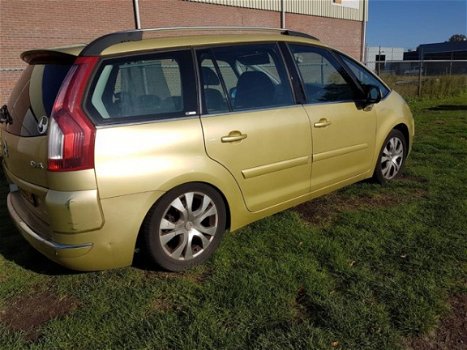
(323,122)
(233,136)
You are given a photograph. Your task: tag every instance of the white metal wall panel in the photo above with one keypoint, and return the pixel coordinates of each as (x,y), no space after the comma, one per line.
(323,8)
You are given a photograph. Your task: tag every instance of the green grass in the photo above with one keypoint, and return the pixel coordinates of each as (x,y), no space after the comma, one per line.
(433,87)
(369,275)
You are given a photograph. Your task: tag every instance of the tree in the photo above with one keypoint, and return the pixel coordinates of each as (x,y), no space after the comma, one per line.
(457,38)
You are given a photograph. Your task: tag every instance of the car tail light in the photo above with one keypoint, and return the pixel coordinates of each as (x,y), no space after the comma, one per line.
(71,133)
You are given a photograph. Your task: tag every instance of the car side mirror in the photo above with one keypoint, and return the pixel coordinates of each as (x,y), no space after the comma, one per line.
(372,94)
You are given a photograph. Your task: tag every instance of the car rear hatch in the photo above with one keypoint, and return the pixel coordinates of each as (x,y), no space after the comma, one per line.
(25,121)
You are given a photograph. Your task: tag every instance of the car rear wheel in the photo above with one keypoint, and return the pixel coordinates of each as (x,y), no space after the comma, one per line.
(391,157)
(185,226)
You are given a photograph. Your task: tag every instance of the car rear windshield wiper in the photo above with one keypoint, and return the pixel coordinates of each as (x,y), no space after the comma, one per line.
(5,116)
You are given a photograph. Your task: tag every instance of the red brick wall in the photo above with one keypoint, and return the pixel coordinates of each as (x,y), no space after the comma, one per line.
(340,34)
(162,13)
(27,24)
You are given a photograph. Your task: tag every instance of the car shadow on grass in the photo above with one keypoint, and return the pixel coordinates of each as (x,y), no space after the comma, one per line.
(18,251)
(449,108)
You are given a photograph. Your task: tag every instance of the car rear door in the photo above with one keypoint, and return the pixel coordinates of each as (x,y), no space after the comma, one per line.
(25,124)
(252,125)
(25,133)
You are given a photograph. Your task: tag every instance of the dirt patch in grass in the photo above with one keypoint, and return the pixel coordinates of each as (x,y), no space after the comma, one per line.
(323,210)
(161,305)
(413,178)
(162,275)
(28,313)
(198,275)
(452,332)
(299,308)
(306,309)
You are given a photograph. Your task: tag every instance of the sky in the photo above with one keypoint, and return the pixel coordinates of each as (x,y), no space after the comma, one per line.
(409,23)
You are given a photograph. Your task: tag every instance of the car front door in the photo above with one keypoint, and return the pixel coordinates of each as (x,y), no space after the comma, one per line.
(252,125)
(343,133)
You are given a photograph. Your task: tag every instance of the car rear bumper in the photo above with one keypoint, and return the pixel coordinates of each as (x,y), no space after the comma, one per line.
(111,246)
(38,238)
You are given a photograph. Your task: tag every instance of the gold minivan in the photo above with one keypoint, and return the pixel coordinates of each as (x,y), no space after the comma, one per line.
(165,139)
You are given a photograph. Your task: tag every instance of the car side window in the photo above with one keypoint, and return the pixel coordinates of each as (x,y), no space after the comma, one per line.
(214,96)
(254,76)
(364,76)
(229,74)
(323,79)
(145,87)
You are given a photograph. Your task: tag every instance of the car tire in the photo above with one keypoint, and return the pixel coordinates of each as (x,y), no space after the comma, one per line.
(185,227)
(391,158)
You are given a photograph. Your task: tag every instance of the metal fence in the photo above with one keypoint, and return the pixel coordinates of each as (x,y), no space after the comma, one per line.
(423,78)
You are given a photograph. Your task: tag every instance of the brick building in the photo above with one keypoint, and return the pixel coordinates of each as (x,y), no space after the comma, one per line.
(28,24)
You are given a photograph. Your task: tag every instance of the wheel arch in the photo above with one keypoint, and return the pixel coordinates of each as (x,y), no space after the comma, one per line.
(401,130)
(405,131)
(399,125)
(216,188)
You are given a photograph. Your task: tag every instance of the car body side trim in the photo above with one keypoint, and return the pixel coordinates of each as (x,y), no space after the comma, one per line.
(338,152)
(270,168)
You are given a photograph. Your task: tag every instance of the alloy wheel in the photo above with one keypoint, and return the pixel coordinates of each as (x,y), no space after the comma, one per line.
(392,158)
(188,226)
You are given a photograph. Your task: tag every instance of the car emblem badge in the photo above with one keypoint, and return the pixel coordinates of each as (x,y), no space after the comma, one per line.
(43,125)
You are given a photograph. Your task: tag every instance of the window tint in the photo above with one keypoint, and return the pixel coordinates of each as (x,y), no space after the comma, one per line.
(43,81)
(145,87)
(52,79)
(323,79)
(364,76)
(252,76)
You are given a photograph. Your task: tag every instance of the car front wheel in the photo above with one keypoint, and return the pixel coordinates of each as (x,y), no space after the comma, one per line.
(185,226)
(391,157)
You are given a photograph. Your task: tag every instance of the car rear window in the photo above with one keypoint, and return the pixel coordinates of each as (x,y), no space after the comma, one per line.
(157,86)
(33,97)
(244,77)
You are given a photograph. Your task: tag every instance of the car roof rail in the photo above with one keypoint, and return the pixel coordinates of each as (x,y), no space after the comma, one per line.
(98,45)
(299,34)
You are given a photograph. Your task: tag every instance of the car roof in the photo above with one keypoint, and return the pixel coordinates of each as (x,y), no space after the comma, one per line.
(199,40)
(168,38)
